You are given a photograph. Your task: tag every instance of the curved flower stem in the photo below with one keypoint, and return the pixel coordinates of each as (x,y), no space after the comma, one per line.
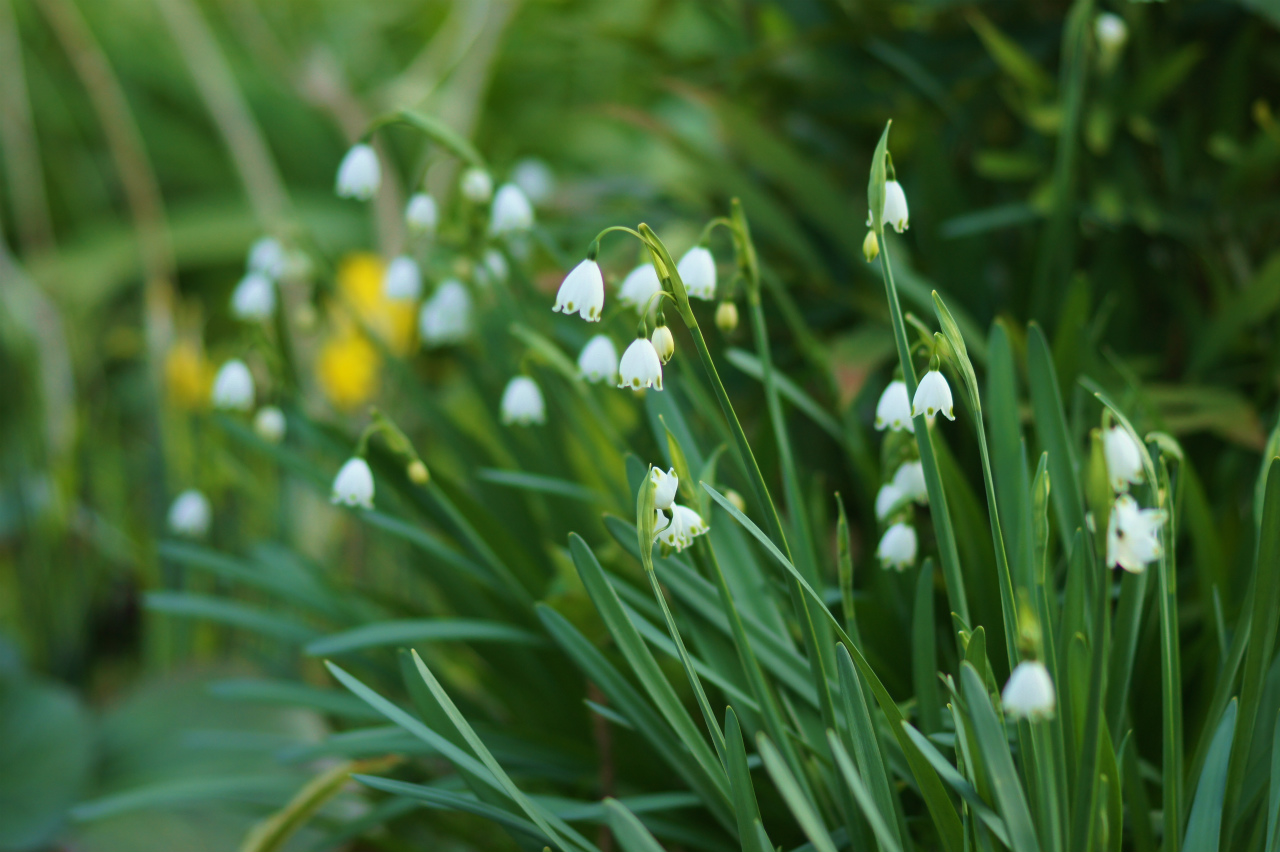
(435,130)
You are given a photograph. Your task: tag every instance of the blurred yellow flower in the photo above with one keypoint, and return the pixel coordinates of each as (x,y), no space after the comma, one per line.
(187,375)
(348,369)
(360,285)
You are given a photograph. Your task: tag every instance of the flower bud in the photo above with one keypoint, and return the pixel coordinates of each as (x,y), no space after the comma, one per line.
(418,473)
(664,343)
(870,246)
(736,500)
(727,316)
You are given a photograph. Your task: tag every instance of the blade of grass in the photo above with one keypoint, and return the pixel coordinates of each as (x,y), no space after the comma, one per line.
(1204,825)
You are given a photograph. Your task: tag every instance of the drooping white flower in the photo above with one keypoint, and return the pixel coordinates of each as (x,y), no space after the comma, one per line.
(598,361)
(641,367)
(663,342)
(233,387)
(887,498)
(495,266)
(933,396)
(698,272)
(535,178)
(511,211)
(402,279)
(270,424)
(522,402)
(1029,692)
(353,486)
(268,256)
(909,480)
(1124,458)
(1133,535)
(445,318)
(582,291)
(359,174)
(684,527)
(190,514)
(895,215)
(665,486)
(897,547)
(421,214)
(640,286)
(1111,31)
(660,523)
(893,411)
(254,299)
(477,186)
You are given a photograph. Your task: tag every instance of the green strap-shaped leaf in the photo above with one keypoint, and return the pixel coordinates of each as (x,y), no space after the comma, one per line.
(880,822)
(407,632)
(865,741)
(631,833)
(959,783)
(231,613)
(804,810)
(745,808)
(1204,826)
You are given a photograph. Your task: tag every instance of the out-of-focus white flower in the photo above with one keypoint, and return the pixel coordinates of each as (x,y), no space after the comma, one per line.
(641,367)
(268,256)
(1133,535)
(909,480)
(665,485)
(1029,692)
(445,318)
(933,396)
(640,286)
(698,272)
(477,186)
(599,360)
(897,547)
(893,411)
(353,486)
(402,279)
(495,266)
(663,342)
(254,299)
(535,178)
(522,402)
(233,387)
(684,527)
(359,174)
(270,424)
(1111,32)
(511,212)
(190,514)
(421,214)
(582,291)
(887,499)
(1124,458)
(895,215)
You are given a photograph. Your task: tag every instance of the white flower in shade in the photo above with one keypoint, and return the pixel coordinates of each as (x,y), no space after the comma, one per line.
(445,318)
(522,402)
(909,480)
(641,367)
(353,486)
(477,186)
(933,396)
(893,411)
(268,256)
(640,286)
(660,523)
(190,514)
(535,178)
(1029,693)
(887,499)
(1111,31)
(421,214)
(233,387)
(684,527)
(895,214)
(582,291)
(270,424)
(511,211)
(1124,458)
(698,272)
(360,174)
(495,266)
(663,342)
(1133,535)
(402,279)
(897,547)
(598,361)
(254,299)
(665,485)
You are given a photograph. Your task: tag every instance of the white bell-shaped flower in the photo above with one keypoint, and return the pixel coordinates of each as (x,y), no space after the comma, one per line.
(1133,535)
(495,267)
(893,411)
(522,402)
(1124,458)
(665,486)
(582,291)
(511,213)
(359,174)
(402,279)
(933,396)
(445,318)
(684,527)
(270,424)
(535,178)
(1111,32)
(663,342)
(353,486)
(598,361)
(233,387)
(888,498)
(895,216)
(698,272)
(1029,692)
(190,514)
(640,367)
(421,214)
(477,185)
(897,547)
(268,257)
(639,287)
(254,299)
(909,480)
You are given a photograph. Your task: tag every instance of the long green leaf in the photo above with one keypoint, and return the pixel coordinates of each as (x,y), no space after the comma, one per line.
(384,633)
(1204,825)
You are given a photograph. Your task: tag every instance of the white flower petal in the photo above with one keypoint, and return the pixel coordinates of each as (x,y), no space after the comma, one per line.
(522,402)
(933,396)
(639,287)
(359,174)
(233,387)
(353,486)
(402,279)
(666,485)
(641,367)
(190,514)
(582,291)
(511,211)
(898,547)
(893,411)
(599,360)
(698,272)
(1029,692)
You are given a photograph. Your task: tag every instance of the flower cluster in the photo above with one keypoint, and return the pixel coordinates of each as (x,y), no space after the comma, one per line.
(684,525)
(1133,533)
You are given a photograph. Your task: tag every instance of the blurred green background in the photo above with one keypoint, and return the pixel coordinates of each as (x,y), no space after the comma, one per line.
(1128,201)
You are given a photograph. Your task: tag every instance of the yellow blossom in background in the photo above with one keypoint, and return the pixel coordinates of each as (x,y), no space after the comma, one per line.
(347,369)
(187,375)
(360,287)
